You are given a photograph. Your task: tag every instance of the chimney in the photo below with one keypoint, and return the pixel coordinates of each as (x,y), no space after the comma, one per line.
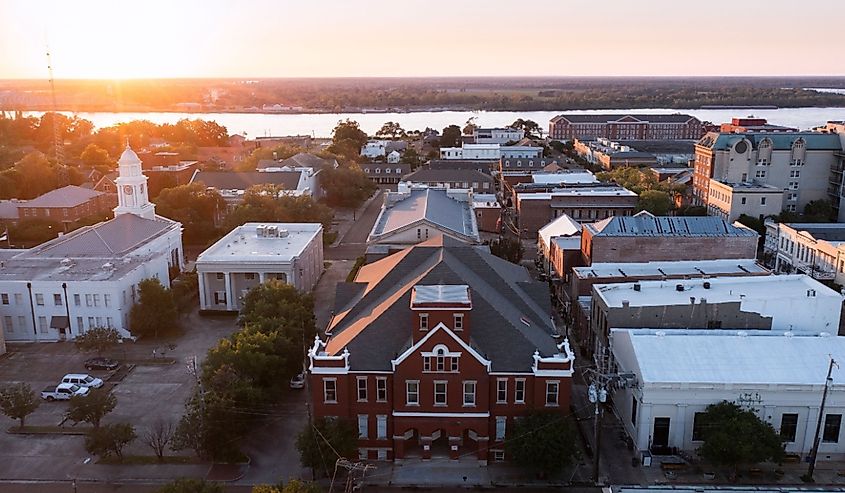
(679,287)
(706,284)
(637,287)
(626,303)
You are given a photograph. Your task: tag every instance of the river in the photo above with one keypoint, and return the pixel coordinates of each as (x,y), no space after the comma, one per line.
(321,125)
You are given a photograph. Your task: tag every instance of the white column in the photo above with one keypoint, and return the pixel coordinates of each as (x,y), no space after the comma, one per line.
(261,277)
(678,433)
(203,294)
(644,426)
(227,278)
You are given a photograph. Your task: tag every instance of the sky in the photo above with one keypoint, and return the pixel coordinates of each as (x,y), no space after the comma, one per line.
(114,39)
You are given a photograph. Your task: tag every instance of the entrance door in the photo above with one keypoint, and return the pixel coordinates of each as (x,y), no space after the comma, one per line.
(660,438)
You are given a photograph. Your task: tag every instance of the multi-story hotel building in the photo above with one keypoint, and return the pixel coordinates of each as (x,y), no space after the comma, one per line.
(625,127)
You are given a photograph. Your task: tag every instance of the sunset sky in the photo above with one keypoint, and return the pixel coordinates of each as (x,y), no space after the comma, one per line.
(281,38)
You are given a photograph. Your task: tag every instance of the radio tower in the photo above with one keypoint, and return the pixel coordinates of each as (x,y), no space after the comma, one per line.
(58,145)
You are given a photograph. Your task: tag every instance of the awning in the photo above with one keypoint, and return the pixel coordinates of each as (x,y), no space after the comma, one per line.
(59,322)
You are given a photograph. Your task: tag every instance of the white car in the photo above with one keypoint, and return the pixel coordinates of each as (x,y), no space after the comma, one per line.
(83,380)
(298,382)
(63,392)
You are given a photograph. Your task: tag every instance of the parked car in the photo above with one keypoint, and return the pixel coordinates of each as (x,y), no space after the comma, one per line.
(83,380)
(63,392)
(101,364)
(298,382)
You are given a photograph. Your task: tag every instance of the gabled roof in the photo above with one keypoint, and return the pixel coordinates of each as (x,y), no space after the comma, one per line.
(230,180)
(781,141)
(510,315)
(308,160)
(644,224)
(106,239)
(427,175)
(431,205)
(562,226)
(69,196)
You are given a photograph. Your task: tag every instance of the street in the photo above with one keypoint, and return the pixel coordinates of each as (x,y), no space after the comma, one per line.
(353,243)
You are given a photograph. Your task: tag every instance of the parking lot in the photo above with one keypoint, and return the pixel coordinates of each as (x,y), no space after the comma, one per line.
(149,392)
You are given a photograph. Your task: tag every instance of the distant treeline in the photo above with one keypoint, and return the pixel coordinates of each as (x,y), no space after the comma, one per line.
(517,94)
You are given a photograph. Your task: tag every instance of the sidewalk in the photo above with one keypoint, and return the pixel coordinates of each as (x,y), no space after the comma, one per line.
(343,218)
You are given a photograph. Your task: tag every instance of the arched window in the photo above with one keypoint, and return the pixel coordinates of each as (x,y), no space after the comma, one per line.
(764,157)
(799,149)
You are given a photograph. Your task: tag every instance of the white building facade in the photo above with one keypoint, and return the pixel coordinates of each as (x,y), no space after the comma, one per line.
(675,376)
(815,249)
(254,253)
(89,278)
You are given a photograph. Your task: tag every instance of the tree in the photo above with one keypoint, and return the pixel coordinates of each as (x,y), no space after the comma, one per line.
(451,136)
(191,486)
(267,203)
(346,187)
(110,439)
(196,207)
(818,211)
(410,156)
(656,202)
(508,249)
(91,408)
(97,339)
(158,436)
(314,452)
(734,436)
(155,311)
(96,156)
(293,486)
(274,303)
(211,427)
(543,441)
(530,127)
(17,401)
(391,130)
(471,125)
(347,139)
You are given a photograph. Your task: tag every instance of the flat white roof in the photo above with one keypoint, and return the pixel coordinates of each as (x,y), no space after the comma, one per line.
(722,290)
(717,357)
(578,192)
(555,178)
(245,244)
(682,267)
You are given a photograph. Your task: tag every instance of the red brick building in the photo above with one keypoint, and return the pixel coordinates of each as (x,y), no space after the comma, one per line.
(434,350)
(626,127)
(67,205)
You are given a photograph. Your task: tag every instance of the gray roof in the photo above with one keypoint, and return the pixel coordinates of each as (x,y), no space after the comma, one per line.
(370,169)
(483,166)
(503,295)
(644,224)
(427,175)
(432,205)
(9,208)
(230,180)
(69,196)
(308,160)
(821,231)
(781,141)
(107,239)
(604,118)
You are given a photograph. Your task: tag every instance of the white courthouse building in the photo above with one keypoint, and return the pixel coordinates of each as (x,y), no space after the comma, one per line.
(254,253)
(676,375)
(89,277)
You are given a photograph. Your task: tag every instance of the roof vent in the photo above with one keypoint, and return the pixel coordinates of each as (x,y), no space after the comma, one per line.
(283,233)
(811,293)
(742,333)
(660,333)
(66,262)
(824,334)
(706,284)
(637,287)
(679,287)
(788,333)
(108,266)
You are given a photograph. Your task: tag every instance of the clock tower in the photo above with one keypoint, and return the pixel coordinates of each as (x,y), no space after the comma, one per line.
(132,194)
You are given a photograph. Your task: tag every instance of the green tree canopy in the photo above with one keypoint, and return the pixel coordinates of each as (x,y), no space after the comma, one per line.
(97,339)
(391,130)
(451,136)
(656,202)
(315,452)
(270,204)
(734,436)
(110,439)
(346,186)
(196,207)
(18,401)
(95,156)
(156,310)
(91,408)
(543,441)
(530,127)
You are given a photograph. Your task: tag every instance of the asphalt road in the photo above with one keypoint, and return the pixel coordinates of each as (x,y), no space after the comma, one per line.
(354,242)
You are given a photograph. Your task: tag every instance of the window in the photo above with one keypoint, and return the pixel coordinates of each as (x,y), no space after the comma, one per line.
(498,456)
(91,323)
(469,393)
(219,297)
(519,391)
(249,276)
(501,423)
(412,392)
(107,299)
(423,321)
(743,200)
(792,196)
(793,185)
(96,300)
(57,299)
(762,200)
(698,427)
(5,298)
(788,427)
(439,393)
(459,321)
(42,325)
(18,298)
(39,299)
(381,428)
(832,423)
(795,173)
(8,324)
(760,173)
(441,363)
(330,390)
(501,391)
(454,364)
(634,405)
(552,390)
(21,321)
(87,300)
(362,389)
(363,420)
(80,325)
(99,321)
(381,389)
(220,276)
(77,301)
(109,322)
(426,363)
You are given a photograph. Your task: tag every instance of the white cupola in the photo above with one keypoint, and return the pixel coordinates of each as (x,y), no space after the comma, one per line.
(132,193)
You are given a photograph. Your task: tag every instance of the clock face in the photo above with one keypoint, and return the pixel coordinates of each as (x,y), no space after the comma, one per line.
(127,190)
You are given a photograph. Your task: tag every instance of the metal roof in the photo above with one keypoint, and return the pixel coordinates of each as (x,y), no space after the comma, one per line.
(427,204)
(69,196)
(644,224)
(228,180)
(781,141)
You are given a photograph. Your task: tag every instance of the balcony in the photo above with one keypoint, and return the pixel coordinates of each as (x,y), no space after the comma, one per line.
(818,272)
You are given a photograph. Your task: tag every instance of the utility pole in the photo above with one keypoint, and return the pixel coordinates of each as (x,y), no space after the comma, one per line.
(597,392)
(817,438)
(352,469)
(58,143)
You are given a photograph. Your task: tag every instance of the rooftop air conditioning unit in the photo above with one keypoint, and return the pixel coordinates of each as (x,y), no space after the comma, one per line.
(260,230)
